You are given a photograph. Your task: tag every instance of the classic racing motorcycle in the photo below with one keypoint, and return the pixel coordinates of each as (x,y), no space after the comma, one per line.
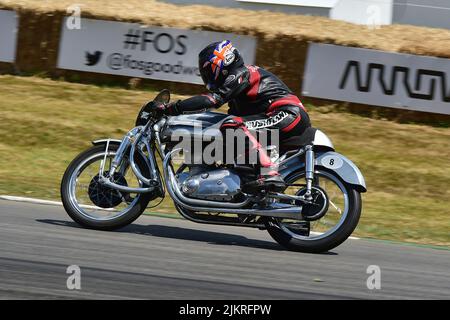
(112,183)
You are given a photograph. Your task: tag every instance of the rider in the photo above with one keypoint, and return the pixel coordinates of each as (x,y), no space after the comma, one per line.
(256,97)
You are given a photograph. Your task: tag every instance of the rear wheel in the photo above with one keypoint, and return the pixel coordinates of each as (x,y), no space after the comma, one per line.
(329,221)
(95,206)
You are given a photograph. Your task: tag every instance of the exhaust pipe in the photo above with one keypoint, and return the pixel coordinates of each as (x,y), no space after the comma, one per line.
(282,211)
(169,176)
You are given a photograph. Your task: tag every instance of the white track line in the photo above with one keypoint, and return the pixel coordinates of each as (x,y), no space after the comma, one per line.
(320,233)
(47,202)
(58,203)
(31,200)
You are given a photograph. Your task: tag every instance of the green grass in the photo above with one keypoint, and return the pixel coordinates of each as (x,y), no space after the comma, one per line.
(44,124)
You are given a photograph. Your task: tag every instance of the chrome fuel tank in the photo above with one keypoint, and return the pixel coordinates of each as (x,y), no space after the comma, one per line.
(199,126)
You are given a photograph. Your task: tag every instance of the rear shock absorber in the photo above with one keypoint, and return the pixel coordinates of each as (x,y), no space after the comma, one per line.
(309,171)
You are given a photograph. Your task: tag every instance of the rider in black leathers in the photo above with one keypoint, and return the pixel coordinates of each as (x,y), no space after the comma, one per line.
(255,96)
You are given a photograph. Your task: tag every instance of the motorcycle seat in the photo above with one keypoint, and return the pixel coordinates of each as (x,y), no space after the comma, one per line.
(296,142)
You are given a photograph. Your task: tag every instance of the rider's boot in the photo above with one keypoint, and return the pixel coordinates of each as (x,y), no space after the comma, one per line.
(269,179)
(268,182)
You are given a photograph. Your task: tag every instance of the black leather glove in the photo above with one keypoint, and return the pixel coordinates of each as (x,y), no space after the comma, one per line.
(172,108)
(160,109)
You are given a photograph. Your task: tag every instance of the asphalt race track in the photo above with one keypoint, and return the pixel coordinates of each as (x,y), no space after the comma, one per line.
(161,258)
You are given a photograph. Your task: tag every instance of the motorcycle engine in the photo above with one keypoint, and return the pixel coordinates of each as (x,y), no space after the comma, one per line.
(210,184)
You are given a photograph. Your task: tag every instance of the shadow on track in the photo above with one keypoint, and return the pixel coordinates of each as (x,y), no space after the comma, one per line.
(211,237)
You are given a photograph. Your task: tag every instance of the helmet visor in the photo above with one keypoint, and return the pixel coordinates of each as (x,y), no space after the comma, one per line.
(207,75)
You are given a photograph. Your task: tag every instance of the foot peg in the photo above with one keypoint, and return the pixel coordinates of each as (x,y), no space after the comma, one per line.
(271,183)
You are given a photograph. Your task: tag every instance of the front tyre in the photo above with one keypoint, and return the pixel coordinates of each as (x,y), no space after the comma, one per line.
(99,208)
(333,227)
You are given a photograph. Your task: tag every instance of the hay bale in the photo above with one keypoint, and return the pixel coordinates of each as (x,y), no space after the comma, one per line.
(264,24)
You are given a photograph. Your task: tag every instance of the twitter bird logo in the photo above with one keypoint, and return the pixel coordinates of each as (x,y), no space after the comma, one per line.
(93,59)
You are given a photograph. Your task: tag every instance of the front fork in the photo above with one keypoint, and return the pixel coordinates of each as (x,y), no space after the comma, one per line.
(129,142)
(124,145)
(309,171)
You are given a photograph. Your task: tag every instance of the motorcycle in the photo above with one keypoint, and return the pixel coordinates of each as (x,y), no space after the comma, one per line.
(112,183)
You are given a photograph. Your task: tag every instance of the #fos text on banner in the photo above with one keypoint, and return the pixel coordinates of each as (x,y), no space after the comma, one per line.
(130,49)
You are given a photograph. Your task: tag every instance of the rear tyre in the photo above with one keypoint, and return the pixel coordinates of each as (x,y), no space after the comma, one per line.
(303,242)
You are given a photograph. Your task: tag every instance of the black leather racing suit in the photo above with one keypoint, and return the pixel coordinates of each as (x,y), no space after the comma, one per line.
(258,98)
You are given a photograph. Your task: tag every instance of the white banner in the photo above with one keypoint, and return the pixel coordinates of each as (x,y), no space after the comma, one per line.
(133,50)
(8,35)
(378,78)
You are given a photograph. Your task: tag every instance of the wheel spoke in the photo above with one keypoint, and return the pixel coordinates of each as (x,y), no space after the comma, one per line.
(337,197)
(336,207)
(92,205)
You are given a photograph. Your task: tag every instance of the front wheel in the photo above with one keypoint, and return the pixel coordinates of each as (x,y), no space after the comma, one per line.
(329,224)
(94,206)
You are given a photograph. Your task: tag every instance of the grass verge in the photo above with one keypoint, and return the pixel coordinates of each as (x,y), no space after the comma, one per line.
(44,124)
